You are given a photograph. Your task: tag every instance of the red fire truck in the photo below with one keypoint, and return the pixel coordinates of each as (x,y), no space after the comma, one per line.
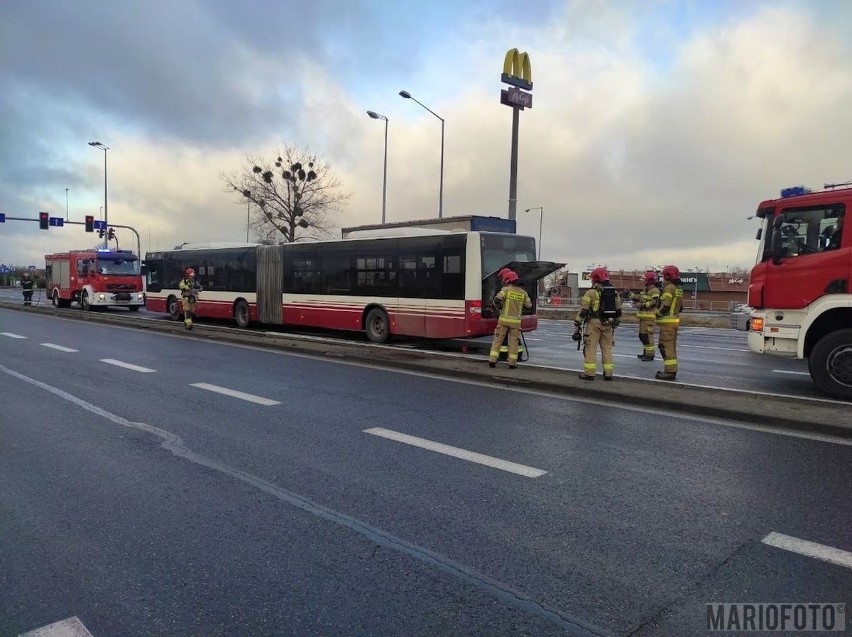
(94,279)
(800,287)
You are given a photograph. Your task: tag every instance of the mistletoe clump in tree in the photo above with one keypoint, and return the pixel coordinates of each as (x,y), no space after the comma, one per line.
(292,198)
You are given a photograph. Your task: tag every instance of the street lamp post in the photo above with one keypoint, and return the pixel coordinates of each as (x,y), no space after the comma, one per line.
(106,205)
(375,115)
(408,96)
(66,205)
(540,222)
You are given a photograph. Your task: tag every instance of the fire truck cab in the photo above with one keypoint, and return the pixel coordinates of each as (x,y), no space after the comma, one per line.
(94,279)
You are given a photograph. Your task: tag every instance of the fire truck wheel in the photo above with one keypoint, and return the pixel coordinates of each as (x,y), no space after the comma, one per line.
(377,326)
(174,308)
(830,364)
(84,302)
(55,298)
(241,314)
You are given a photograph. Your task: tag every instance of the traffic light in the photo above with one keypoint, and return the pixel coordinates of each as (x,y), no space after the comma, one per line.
(90,223)
(44,220)
(101,233)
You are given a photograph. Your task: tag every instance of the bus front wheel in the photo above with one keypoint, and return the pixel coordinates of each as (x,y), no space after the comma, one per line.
(830,364)
(377,326)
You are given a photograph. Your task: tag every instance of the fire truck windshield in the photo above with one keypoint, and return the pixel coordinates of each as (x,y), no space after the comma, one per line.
(120,267)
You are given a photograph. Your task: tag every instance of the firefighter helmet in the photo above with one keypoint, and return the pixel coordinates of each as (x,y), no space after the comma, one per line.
(599,274)
(650,277)
(503,272)
(190,272)
(671,272)
(510,277)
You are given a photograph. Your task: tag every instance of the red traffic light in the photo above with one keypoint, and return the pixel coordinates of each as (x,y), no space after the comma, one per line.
(44,220)
(90,223)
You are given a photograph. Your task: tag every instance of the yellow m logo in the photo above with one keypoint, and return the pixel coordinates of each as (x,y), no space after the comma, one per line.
(517,70)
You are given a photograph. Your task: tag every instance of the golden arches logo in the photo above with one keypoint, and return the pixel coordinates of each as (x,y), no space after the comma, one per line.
(517,70)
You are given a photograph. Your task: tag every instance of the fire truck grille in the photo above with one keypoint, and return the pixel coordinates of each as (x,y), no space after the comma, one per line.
(114,287)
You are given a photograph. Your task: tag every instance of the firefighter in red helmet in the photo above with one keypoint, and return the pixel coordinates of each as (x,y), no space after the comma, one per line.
(511,301)
(646,311)
(668,318)
(600,310)
(189,291)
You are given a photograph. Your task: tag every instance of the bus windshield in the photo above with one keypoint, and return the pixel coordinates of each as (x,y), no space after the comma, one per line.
(500,249)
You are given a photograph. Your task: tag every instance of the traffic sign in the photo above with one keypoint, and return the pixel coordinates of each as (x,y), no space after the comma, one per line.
(99,224)
(2,217)
(57,222)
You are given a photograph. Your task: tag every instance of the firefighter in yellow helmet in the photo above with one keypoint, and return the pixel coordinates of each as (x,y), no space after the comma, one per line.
(668,318)
(511,301)
(600,310)
(189,291)
(646,311)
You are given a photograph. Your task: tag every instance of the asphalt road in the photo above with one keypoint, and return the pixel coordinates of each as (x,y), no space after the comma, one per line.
(141,494)
(708,357)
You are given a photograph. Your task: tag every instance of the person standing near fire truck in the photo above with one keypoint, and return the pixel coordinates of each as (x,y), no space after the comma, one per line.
(668,318)
(189,291)
(27,285)
(646,311)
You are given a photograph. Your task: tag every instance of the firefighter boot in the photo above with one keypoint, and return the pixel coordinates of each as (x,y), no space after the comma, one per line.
(665,375)
(586,376)
(645,357)
(187,321)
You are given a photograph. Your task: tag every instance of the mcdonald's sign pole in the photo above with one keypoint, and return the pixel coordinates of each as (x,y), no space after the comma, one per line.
(517,72)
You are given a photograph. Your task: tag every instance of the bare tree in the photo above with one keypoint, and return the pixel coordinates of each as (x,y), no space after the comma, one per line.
(292,198)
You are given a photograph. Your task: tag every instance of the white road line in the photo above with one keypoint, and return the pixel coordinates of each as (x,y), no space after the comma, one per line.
(135,368)
(809,549)
(235,394)
(787,371)
(10,335)
(496,463)
(71,627)
(61,348)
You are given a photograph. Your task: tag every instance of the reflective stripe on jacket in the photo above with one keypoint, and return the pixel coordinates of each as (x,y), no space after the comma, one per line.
(671,303)
(514,301)
(647,302)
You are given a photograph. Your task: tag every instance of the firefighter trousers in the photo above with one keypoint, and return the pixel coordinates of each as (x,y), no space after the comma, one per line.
(598,335)
(668,346)
(646,335)
(500,333)
(188,309)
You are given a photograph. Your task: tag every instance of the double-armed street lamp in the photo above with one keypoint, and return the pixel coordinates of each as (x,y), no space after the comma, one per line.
(408,96)
(540,221)
(106,208)
(376,115)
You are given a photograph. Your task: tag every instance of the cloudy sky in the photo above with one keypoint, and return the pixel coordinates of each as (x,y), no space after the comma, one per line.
(657,125)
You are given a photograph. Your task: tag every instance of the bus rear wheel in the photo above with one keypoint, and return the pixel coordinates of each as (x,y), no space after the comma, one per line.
(241,314)
(377,326)
(830,364)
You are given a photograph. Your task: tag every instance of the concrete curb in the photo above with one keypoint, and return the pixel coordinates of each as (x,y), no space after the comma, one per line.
(771,411)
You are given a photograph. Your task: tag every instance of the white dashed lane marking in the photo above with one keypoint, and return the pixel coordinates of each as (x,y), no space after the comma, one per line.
(61,348)
(10,335)
(71,627)
(809,549)
(236,394)
(455,452)
(135,368)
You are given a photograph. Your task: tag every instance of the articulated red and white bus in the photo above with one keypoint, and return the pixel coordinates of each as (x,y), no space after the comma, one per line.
(417,282)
